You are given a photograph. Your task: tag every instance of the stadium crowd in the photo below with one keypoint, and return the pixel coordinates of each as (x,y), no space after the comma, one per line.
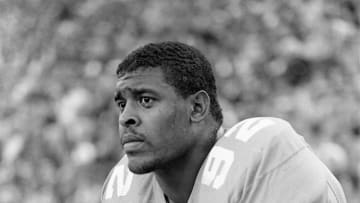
(298,60)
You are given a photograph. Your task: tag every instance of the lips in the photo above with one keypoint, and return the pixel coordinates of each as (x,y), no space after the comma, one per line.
(130,137)
(132,144)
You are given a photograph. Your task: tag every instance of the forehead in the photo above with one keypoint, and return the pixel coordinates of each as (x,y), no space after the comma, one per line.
(142,78)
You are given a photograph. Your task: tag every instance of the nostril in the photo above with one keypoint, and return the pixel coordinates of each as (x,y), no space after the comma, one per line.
(130,121)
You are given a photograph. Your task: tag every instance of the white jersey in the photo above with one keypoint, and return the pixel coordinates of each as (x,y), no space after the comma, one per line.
(259,160)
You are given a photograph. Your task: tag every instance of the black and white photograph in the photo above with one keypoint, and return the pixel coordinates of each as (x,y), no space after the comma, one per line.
(194,101)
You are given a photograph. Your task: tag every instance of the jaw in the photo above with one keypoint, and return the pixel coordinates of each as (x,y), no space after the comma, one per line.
(140,165)
(164,159)
(149,161)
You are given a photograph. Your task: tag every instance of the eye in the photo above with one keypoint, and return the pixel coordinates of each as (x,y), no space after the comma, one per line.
(146,101)
(119,100)
(121,104)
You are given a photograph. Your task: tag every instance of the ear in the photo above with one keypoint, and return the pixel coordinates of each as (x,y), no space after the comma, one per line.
(200,102)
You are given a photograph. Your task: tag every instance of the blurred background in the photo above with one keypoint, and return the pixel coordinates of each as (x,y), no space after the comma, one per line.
(298,60)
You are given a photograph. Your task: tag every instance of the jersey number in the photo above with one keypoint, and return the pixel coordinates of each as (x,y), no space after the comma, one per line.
(220,159)
(121,180)
(246,129)
(217,167)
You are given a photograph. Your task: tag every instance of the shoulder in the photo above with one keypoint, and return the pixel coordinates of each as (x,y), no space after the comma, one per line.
(249,150)
(262,141)
(260,159)
(123,185)
(249,128)
(261,133)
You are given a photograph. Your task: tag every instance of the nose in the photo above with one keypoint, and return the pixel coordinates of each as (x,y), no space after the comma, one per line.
(128,117)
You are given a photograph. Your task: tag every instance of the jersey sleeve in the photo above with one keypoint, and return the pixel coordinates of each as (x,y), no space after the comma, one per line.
(264,160)
(288,170)
(301,178)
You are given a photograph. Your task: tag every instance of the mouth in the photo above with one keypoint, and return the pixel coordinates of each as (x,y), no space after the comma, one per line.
(132,147)
(131,143)
(130,138)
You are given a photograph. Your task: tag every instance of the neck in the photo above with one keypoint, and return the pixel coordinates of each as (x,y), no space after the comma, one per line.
(177,180)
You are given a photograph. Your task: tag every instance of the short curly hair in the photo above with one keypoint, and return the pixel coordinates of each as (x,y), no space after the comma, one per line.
(184,67)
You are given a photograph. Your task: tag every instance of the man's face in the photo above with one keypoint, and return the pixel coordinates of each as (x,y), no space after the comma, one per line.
(154,120)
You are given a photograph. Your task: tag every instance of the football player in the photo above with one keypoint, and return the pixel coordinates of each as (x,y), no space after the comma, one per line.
(176,151)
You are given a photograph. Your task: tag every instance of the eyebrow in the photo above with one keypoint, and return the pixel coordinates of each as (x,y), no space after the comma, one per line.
(134,91)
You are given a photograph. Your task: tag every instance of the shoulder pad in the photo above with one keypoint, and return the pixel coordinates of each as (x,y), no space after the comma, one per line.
(261,132)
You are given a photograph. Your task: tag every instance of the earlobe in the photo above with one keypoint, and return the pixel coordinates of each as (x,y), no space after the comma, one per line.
(200,102)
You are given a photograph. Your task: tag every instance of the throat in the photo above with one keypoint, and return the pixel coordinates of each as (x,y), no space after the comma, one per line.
(177,187)
(177,181)
(178,178)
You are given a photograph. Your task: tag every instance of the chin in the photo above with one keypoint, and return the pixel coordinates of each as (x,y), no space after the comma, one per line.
(139,167)
(146,164)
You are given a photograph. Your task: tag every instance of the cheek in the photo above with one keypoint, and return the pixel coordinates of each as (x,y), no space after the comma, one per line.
(155,122)
(164,121)
(161,125)
(175,126)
